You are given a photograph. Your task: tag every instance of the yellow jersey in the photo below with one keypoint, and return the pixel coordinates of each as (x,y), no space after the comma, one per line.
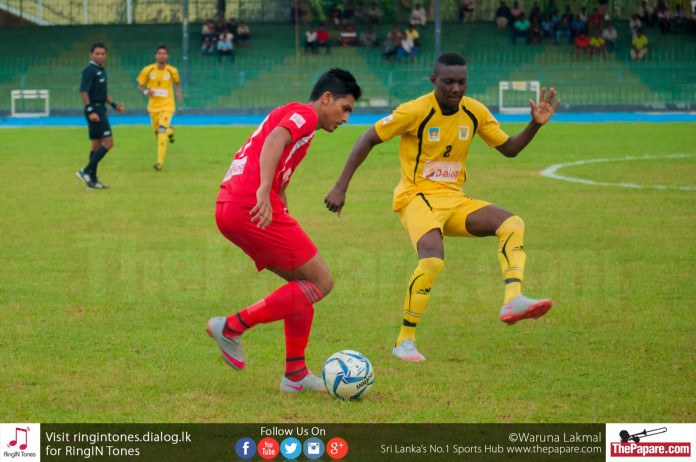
(160,85)
(434,146)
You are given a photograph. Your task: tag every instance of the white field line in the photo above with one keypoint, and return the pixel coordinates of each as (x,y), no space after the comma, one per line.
(550,172)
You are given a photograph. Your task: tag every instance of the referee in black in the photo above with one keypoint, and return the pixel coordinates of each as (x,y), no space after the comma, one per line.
(95,97)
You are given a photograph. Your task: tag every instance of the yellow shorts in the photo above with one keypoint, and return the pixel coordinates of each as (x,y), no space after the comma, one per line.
(161,119)
(444,211)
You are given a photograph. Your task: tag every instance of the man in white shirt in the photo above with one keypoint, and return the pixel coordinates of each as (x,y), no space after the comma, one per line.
(418,17)
(609,36)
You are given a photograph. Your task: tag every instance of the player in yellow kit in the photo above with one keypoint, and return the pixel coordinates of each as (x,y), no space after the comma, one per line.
(436,131)
(157,82)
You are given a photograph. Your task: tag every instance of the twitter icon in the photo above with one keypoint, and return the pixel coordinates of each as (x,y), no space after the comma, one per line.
(290,448)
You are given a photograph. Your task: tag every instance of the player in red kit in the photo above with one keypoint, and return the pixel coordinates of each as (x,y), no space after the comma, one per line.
(251,211)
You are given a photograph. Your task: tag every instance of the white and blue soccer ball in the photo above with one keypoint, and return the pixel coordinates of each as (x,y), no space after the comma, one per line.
(348,375)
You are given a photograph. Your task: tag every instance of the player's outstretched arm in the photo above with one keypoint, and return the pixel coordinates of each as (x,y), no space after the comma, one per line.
(270,156)
(336,198)
(540,115)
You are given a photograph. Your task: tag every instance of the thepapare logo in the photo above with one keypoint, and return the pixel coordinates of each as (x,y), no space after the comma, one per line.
(20,442)
(653,442)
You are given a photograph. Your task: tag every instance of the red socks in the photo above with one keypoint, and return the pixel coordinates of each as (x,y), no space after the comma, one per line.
(291,302)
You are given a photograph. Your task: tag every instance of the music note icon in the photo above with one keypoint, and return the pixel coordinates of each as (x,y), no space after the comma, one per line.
(22,447)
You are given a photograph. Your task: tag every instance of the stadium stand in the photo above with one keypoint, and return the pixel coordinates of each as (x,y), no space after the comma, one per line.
(270,71)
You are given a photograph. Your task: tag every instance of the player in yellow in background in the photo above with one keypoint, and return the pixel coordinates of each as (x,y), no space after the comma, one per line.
(157,82)
(436,131)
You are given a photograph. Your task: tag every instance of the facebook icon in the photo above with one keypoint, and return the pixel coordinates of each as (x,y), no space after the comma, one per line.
(245,448)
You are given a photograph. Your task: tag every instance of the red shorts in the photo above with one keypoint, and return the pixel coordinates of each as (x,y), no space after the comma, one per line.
(282,244)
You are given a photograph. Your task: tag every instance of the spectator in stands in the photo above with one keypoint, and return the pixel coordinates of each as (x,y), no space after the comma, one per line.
(368,38)
(568,14)
(603,8)
(306,12)
(577,26)
(643,13)
(348,36)
(663,18)
(639,46)
(243,34)
(515,12)
(418,16)
(535,12)
(563,30)
(405,48)
(595,22)
(323,39)
(502,16)
(546,28)
(466,8)
(311,42)
(296,13)
(582,45)
(413,34)
(360,15)
(391,44)
(535,31)
(597,45)
(521,28)
(207,28)
(225,46)
(551,9)
(232,27)
(374,14)
(609,35)
(691,25)
(334,16)
(209,38)
(583,14)
(634,24)
(348,17)
(678,19)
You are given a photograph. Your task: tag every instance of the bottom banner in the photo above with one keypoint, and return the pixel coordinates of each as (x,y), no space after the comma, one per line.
(309,442)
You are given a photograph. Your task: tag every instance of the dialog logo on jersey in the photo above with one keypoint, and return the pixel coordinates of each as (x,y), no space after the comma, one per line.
(20,442)
(245,448)
(298,119)
(434,134)
(651,441)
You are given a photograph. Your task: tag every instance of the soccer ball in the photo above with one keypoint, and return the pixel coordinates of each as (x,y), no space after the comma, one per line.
(348,375)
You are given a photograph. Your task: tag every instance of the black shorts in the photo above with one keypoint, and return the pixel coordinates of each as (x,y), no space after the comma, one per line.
(101,129)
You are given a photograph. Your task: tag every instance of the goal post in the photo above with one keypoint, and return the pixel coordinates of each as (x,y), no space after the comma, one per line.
(30,103)
(518,93)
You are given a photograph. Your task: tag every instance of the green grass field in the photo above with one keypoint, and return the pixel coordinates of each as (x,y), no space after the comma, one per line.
(104,295)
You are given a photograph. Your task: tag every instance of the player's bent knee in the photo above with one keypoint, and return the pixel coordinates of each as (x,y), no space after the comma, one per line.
(514,224)
(431,266)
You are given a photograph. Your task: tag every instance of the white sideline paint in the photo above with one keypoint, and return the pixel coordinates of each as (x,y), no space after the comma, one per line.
(550,172)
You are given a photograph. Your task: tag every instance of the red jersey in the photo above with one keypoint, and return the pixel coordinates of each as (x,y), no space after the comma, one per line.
(244,176)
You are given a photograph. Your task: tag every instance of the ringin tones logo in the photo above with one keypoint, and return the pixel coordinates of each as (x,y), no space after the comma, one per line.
(20,442)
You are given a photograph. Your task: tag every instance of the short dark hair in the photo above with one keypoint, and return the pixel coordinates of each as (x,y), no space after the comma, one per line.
(450,59)
(162,47)
(338,82)
(97,45)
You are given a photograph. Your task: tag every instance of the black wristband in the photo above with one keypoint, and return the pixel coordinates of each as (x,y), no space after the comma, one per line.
(89,108)
(114,105)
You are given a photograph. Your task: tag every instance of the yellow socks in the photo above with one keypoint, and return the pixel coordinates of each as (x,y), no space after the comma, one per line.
(417,295)
(161,147)
(511,255)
